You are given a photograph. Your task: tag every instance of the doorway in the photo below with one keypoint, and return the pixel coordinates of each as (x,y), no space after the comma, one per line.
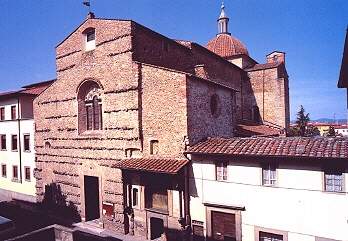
(157,227)
(92,207)
(223,226)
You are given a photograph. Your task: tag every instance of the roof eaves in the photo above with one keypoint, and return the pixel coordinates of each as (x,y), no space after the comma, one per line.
(213,82)
(39,83)
(263,67)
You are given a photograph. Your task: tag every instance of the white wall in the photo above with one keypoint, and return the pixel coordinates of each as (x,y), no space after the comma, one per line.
(343,132)
(18,189)
(296,205)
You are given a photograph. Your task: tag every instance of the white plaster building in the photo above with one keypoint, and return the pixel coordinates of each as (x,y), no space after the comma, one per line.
(17,154)
(270,189)
(341,130)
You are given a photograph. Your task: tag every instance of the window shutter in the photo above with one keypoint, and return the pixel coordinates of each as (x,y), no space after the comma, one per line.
(219,171)
(224,171)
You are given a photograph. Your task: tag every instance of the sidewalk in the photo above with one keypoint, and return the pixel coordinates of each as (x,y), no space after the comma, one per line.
(93,229)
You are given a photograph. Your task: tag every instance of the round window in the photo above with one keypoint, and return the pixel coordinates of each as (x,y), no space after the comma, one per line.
(215,105)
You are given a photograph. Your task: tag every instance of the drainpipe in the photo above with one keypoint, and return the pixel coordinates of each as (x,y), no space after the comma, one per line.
(19,141)
(187,194)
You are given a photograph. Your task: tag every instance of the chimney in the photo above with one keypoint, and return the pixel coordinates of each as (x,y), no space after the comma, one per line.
(276,57)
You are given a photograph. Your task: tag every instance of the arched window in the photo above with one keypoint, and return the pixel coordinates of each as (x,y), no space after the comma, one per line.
(90,107)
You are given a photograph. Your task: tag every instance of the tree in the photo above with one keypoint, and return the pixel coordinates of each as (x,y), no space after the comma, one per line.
(302,121)
(331,132)
(312,131)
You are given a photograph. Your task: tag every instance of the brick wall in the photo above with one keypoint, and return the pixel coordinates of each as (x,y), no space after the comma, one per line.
(153,48)
(271,94)
(164,111)
(70,155)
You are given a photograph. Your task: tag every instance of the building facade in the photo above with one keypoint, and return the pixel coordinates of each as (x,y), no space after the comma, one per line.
(112,129)
(343,77)
(275,189)
(17,153)
(341,130)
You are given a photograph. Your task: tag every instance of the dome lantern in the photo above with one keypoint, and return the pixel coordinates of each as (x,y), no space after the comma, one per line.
(223,21)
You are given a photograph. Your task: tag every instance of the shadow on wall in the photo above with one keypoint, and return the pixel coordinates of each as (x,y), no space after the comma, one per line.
(55,201)
(192,179)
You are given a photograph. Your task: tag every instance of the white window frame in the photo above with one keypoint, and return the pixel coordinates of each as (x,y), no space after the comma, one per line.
(221,175)
(26,134)
(130,196)
(90,45)
(334,174)
(272,175)
(258,230)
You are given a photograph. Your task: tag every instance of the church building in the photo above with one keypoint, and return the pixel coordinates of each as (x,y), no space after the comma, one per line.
(112,130)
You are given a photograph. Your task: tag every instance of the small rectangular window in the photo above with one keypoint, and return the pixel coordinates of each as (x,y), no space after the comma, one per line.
(27,174)
(269,175)
(90,40)
(3,170)
(221,171)
(334,181)
(154,147)
(26,142)
(135,195)
(263,236)
(2,113)
(90,36)
(3,142)
(14,143)
(13,112)
(15,172)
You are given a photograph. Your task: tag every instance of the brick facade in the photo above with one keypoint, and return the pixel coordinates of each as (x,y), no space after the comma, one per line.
(152,89)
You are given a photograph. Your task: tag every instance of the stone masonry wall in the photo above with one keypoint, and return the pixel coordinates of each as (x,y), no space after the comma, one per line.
(63,155)
(271,94)
(201,122)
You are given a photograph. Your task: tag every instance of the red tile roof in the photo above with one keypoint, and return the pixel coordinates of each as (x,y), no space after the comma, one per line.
(264,66)
(247,129)
(34,89)
(226,46)
(165,165)
(278,146)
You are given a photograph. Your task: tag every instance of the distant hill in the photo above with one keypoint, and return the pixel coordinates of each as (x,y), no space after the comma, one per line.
(328,120)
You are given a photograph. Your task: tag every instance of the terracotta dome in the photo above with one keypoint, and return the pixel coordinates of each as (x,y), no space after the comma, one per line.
(226,46)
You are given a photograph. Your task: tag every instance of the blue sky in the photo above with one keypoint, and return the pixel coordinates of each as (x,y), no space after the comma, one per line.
(310,32)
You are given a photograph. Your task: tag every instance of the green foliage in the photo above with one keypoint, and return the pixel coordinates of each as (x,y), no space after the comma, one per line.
(302,121)
(312,131)
(331,132)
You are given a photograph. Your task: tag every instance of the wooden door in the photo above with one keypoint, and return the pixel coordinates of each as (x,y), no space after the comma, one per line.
(92,209)
(223,226)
